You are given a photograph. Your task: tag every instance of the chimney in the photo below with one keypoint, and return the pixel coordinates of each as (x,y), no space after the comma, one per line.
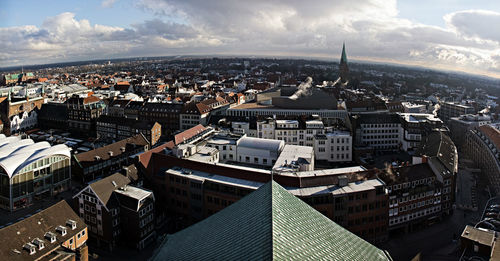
(342,179)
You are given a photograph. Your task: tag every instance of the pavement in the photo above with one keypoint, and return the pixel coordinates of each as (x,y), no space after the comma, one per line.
(7,217)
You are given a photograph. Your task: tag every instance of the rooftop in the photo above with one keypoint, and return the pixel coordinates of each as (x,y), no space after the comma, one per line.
(17,235)
(15,153)
(351,187)
(133,192)
(492,134)
(261,144)
(269,223)
(199,175)
(327,172)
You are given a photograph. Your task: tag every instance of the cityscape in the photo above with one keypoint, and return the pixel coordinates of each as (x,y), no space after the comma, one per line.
(228,130)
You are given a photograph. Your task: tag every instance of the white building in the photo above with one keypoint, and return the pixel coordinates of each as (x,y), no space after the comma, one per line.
(290,131)
(240,127)
(333,146)
(226,145)
(259,151)
(414,108)
(379,131)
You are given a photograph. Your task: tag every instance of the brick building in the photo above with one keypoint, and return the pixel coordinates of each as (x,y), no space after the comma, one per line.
(19,114)
(102,161)
(482,146)
(111,128)
(193,191)
(117,212)
(83,113)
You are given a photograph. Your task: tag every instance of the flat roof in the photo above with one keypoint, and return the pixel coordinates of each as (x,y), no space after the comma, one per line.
(201,176)
(292,153)
(326,172)
(287,121)
(482,236)
(351,187)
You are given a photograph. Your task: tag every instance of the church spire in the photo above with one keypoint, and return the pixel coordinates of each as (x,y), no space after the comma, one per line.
(343,68)
(10,93)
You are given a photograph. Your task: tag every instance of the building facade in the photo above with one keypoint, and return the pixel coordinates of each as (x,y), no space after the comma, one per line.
(116,212)
(416,196)
(19,114)
(448,110)
(379,131)
(102,161)
(112,128)
(83,114)
(482,146)
(30,171)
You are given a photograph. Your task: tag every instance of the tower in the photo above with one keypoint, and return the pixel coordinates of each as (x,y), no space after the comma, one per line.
(343,68)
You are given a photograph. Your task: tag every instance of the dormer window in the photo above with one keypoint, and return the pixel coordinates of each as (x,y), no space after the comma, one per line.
(71,223)
(39,243)
(51,237)
(30,248)
(61,230)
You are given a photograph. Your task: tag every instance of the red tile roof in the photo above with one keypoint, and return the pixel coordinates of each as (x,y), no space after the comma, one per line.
(492,133)
(187,134)
(145,157)
(90,99)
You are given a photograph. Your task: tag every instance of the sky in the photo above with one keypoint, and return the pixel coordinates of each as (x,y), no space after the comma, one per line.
(441,34)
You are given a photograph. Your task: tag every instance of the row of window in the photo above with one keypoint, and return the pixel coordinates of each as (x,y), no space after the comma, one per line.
(381,131)
(145,210)
(394,211)
(387,125)
(414,183)
(416,196)
(411,216)
(146,220)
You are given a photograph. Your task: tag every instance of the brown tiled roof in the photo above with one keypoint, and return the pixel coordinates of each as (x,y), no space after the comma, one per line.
(123,83)
(187,134)
(145,157)
(90,99)
(104,188)
(195,108)
(116,148)
(15,236)
(492,134)
(439,147)
(406,173)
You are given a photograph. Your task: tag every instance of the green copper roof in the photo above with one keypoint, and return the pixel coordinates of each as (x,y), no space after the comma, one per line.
(343,58)
(269,223)
(12,76)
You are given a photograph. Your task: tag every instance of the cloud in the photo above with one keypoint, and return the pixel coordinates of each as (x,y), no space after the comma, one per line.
(63,37)
(108,3)
(372,30)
